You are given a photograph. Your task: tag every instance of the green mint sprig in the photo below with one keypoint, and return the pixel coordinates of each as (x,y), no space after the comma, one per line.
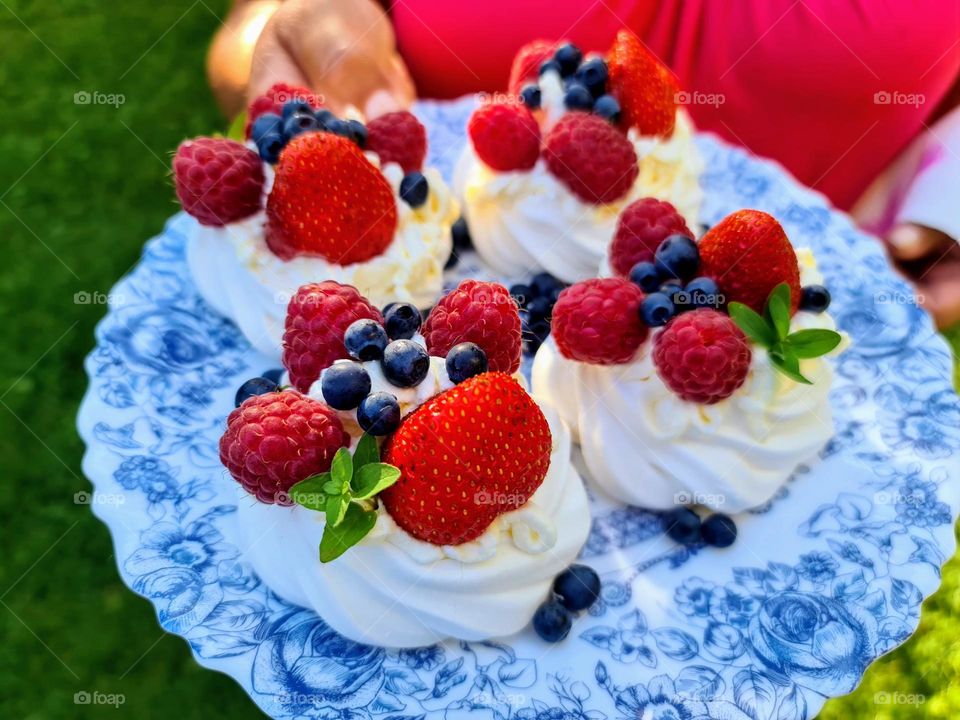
(772,331)
(347,495)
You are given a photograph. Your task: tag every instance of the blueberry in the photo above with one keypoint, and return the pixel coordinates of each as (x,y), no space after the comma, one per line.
(677,257)
(402,321)
(325,118)
(568,56)
(577,587)
(656,309)
(405,363)
(345,384)
(521,293)
(414,189)
(550,65)
(683,526)
(273,374)
(358,133)
(543,283)
(365,339)
(552,621)
(268,122)
(464,361)
(270,146)
(538,330)
(299,123)
(814,298)
(252,387)
(530,96)
(719,530)
(452,261)
(593,76)
(645,276)
(379,413)
(577,97)
(292,107)
(461,235)
(539,309)
(608,108)
(703,292)
(340,127)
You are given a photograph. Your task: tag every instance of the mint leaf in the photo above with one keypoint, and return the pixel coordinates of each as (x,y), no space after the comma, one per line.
(336,508)
(777,310)
(342,468)
(788,364)
(310,492)
(812,343)
(374,478)
(754,326)
(237,129)
(367,452)
(333,487)
(354,526)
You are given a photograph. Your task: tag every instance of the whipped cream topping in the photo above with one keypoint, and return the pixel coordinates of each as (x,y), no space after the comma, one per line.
(395,590)
(522,221)
(645,446)
(241,278)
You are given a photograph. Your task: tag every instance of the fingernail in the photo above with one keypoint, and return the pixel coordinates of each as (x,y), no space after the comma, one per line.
(379,103)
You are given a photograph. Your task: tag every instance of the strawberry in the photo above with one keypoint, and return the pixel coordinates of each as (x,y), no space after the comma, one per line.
(527,62)
(465,457)
(218,181)
(505,136)
(329,200)
(748,254)
(591,157)
(398,137)
(645,87)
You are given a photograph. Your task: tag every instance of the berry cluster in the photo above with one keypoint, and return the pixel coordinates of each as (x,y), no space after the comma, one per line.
(574,590)
(702,353)
(683,525)
(272,131)
(536,299)
(584,83)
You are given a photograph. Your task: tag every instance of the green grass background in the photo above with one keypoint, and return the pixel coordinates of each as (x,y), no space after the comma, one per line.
(81,188)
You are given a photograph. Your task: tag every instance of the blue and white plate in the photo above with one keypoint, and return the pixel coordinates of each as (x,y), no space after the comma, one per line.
(823,581)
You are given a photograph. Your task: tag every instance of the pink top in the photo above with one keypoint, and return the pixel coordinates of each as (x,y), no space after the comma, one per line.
(833,89)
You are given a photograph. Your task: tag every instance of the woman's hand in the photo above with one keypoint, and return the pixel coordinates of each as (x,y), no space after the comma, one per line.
(343,50)
(931,259)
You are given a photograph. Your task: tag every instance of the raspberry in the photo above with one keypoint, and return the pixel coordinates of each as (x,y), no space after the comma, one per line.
(398,137)
(526,63)
(274,441)
(317,318)
(642,226)
(645,87)
(748,254)
(466,456)
(505,136)
(597,321)
(591,157)
(274,99)
(702,356)
(479,312)
(218,181)
(329,200)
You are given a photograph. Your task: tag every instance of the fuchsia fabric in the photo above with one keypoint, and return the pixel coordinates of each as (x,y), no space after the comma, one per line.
(833,89)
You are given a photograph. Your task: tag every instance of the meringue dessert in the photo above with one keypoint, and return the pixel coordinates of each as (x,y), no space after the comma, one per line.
(542,181)
(441,497)
(312,197)
(707,390)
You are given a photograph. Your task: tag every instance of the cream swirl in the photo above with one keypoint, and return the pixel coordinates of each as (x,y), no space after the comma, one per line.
(645,446)
(241,278)
(396,591)
(524,221)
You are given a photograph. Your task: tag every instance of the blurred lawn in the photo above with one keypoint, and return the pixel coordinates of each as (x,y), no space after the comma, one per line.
(81,188)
